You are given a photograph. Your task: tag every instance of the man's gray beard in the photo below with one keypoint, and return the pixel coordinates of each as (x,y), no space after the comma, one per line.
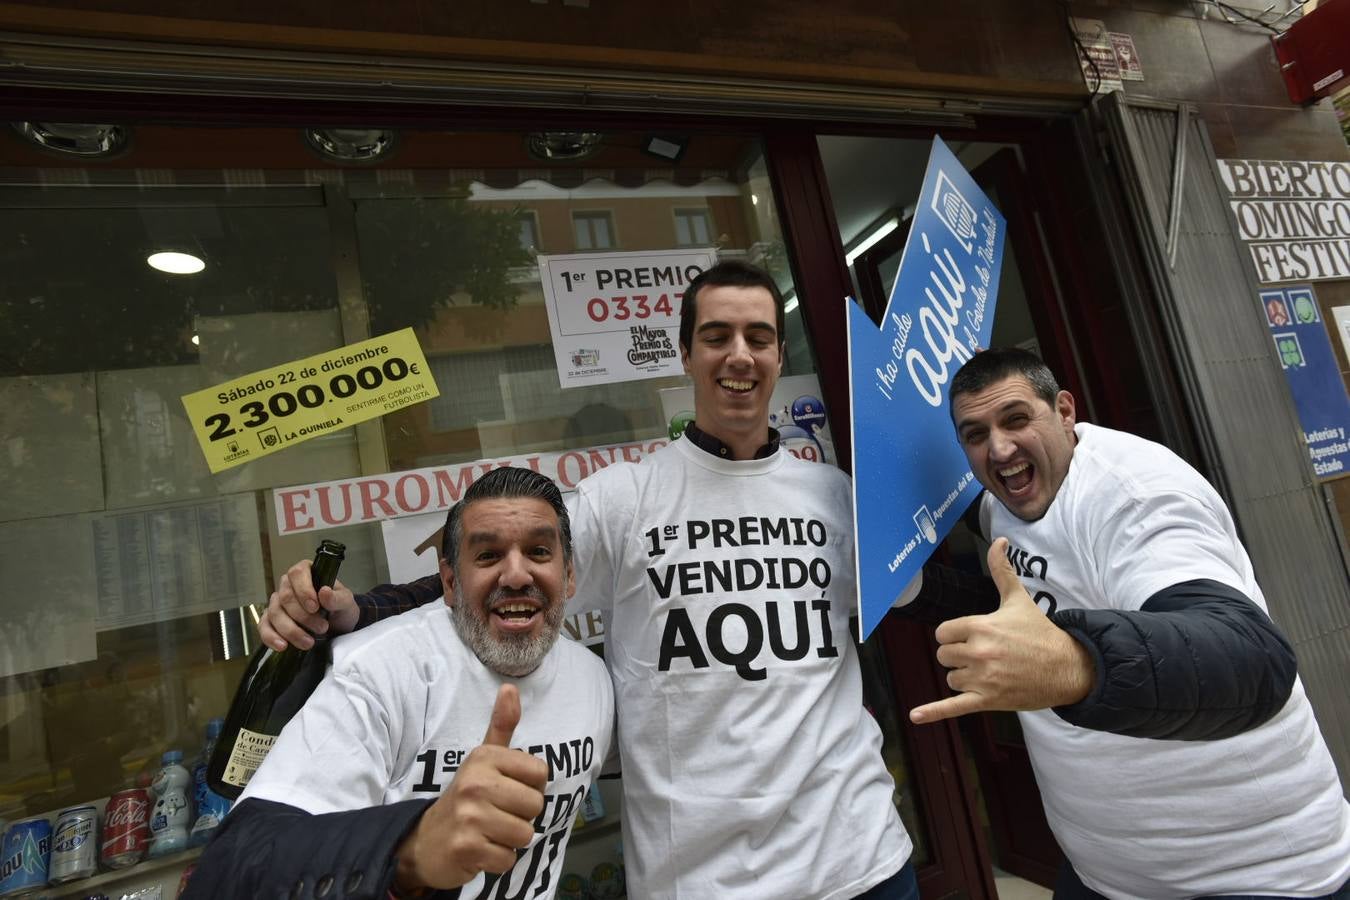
(511,656)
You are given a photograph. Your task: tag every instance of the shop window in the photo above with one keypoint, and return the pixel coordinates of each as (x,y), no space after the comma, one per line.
(133,573)
(529,231)
(692,228)
(482,384)
(593,230)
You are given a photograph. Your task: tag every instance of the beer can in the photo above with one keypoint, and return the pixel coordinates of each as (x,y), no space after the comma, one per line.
(572,887)
(24,857)
(126,828)
(74,845)
(606,882)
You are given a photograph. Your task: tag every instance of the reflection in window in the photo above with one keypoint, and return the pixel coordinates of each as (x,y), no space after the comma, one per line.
(692,228)
(422,255)
(479,385)
(529,231)
(127,560)
(593,230)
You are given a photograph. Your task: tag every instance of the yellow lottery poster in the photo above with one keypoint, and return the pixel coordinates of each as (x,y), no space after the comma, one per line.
(253,415)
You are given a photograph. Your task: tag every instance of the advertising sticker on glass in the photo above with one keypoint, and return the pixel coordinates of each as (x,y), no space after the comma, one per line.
(1309,364)
(616,316)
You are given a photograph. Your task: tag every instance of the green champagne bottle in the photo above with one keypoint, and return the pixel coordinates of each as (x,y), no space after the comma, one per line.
(274,687)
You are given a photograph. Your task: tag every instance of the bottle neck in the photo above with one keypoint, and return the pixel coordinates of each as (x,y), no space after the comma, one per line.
(324,571)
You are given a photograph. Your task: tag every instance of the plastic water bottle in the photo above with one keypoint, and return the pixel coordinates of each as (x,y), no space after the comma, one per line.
(172,813)
(211,807)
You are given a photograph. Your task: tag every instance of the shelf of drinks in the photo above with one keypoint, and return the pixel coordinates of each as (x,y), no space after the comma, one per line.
(86,886)
(590,830)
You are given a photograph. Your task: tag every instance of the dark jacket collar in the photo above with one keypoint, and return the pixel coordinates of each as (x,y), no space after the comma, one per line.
(709,444)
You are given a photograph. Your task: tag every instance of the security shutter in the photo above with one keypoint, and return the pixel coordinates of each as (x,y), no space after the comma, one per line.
(1248,436)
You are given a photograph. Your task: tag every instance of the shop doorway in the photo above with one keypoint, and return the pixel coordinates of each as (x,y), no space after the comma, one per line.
(873,185)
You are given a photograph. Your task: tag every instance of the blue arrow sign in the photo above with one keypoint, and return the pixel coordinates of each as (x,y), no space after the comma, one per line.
(910,478)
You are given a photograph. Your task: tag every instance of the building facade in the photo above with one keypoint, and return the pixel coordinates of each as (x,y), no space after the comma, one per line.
(348,172)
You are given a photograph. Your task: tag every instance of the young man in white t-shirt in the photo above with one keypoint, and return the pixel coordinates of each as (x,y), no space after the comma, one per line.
(724,566)
(1175,750)
(398,776)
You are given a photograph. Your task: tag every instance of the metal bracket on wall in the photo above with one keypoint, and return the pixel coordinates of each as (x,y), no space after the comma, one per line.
(1178,183)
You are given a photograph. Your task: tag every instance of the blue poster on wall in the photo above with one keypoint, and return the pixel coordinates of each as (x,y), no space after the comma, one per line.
(911,482)
(1314,377)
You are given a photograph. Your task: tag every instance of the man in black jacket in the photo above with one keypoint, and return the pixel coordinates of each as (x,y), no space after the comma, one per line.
(1174,747)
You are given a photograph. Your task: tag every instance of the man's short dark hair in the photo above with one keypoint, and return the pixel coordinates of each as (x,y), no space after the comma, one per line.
(992,366)
(506,482)
(728,273)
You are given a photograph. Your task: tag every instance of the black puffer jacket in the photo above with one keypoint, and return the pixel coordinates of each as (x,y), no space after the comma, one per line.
(1199,661)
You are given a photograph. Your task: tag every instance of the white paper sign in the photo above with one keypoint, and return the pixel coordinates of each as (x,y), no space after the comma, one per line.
(1294,216)
(1342,316)
(173,561)
(616,316)
(1097,56)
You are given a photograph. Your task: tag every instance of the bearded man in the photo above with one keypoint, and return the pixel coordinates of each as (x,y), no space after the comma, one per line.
(385,783)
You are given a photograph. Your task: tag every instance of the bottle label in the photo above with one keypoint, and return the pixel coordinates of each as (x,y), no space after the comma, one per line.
(250,749)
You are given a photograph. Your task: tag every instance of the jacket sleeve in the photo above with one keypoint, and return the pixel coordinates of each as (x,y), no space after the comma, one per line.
(391,599)
(1198,661)
(949,593)
(271,850)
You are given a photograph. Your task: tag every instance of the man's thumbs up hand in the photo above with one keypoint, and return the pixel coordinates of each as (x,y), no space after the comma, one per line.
(1012,659)
(484,815)
(505,717)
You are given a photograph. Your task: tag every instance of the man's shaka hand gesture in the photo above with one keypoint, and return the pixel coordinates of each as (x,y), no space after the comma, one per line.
(1012,659)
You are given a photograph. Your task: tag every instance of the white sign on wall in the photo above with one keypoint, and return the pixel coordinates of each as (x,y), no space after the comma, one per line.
(616,316)
(1294,217)
(1342,316)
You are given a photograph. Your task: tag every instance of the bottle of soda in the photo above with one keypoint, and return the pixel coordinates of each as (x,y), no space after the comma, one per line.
(172,812)
(211,807)
(274,687)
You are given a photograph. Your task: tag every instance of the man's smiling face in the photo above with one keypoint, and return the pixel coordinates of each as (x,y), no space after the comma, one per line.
(734,361)
(1018,445)
(510,582)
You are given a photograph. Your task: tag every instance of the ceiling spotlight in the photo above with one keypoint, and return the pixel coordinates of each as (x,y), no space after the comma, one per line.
(669,147)
(175,263)
(351,145)
(72,139)
(562,146)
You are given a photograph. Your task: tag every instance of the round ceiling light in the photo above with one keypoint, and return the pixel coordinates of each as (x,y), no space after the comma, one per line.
(175,263)
(561,146)
(73,139)
(351,145)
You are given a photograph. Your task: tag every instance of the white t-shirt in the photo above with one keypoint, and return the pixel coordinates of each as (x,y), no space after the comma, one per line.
(1261,812)
(405,703)
(750,767)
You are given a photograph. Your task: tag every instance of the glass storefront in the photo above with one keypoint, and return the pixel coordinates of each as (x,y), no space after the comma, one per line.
(133,575)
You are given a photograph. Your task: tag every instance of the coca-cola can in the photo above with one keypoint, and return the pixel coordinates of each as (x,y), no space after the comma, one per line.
(126,828)
(74,845)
